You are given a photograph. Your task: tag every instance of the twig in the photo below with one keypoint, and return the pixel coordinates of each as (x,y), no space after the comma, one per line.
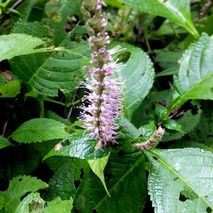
(71,108)
(18,2)
(7,15)
(5,127)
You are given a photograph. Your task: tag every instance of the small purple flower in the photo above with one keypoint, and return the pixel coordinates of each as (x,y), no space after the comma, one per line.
(104,97)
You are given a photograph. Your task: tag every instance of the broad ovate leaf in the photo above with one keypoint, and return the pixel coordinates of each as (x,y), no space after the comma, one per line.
(10,89)
(39,130)
(16,44)
(66,172)
(98,166)
(180,180)
(4,142)
(19,187)
(137,77)
(195,77)
(126,182)
(60,71)
(80,145)
(58,205)
(177,11)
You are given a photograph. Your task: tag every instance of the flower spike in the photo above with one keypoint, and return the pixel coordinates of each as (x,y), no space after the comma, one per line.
(104,98)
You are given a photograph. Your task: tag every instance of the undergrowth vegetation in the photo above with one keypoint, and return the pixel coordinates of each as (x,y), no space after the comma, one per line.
(161,159)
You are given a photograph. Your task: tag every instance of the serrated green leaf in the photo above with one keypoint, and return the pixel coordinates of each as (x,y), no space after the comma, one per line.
(10,89)
(139,68)
(131,182)
(39,130)
(16,44)
(31,203)
(80,146)
(177,11)
(98,166)
(18,187)
(35,28)
(61,71)
(126,182)
(4,142)
(62,183)
(58,205)
(177,173)
(195,78)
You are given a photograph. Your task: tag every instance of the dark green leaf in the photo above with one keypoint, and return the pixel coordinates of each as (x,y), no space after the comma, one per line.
(39,130)
(62,183)
(61,71)
(26,8)
(80,146)
(35,29)
(4,142)
(126,182)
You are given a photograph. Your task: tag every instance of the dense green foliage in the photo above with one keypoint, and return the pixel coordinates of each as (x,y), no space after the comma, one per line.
(50,164)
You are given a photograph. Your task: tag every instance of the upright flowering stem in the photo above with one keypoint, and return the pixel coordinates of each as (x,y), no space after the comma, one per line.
(104,92)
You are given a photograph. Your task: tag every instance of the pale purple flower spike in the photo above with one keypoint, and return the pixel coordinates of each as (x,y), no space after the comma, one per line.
(104,98)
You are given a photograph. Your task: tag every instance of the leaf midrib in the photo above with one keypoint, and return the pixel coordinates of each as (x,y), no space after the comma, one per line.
(39,69)
(187,24)
(166,165)
(183,97)
(120,180)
